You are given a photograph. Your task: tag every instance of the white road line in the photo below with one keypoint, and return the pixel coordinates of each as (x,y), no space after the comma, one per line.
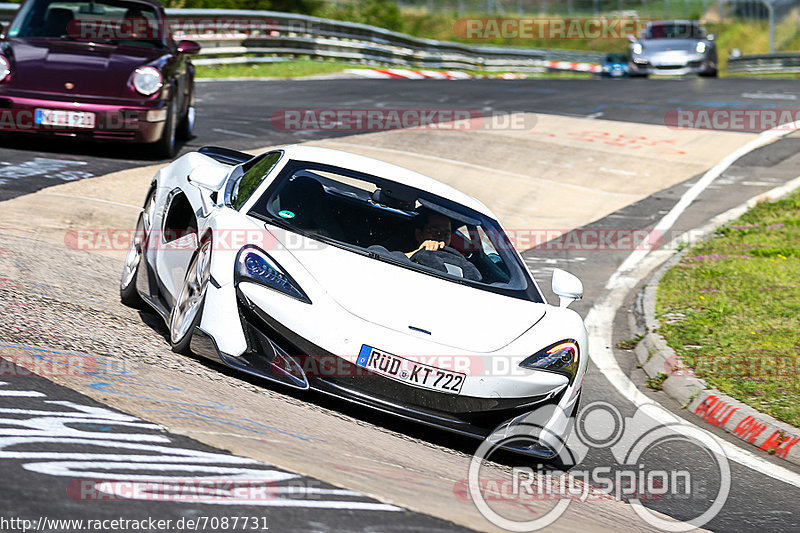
(481,167)
(769,96)
(599,320)
(19,393)
(235,133)
(694,191)
(93,200)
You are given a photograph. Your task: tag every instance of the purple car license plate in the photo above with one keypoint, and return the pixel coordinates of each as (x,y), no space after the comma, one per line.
(409,371)
(60,117)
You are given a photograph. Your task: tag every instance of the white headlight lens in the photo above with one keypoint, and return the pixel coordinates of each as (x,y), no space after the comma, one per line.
(5,68)
(701,47)
(147,80)
(637,48)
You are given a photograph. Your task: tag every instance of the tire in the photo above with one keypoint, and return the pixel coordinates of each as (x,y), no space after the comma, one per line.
(128,294)
(188,309)
(164,148)
(187,122)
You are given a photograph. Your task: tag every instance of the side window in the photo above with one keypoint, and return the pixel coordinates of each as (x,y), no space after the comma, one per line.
(251,179)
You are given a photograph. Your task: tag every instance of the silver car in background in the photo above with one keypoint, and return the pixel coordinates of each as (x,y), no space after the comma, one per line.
(673,47)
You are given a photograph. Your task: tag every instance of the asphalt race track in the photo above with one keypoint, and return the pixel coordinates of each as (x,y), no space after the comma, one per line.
(237,114)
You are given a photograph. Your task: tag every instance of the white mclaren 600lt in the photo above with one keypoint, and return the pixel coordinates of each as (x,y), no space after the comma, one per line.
(360,279)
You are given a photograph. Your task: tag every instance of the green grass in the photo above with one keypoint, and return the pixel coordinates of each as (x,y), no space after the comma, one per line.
(281,69)
(737,299)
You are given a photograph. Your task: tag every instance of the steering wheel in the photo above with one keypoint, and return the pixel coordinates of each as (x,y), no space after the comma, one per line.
(439,259)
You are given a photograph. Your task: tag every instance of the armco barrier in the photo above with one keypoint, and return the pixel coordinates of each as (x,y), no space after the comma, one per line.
(783,63)
(291,35)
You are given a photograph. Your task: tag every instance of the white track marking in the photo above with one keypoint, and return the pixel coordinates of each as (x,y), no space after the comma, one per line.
(769,96)
(480,167)
(19,393)
(695,190)
(235,133)
(599,320)
(89,198)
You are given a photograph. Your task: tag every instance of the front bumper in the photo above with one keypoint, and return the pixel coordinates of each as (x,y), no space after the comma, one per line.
(114,119)
(278,354)
(675,67)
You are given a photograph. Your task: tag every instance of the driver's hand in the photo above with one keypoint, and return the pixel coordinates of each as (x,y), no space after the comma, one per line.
(431,246)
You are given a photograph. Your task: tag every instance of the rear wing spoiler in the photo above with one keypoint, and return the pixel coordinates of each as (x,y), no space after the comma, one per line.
(225,155)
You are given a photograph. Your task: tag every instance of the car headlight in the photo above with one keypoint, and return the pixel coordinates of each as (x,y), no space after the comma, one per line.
(701,47)
(561,357)
(147,80)
(636,48)
(254,264)
(5,68)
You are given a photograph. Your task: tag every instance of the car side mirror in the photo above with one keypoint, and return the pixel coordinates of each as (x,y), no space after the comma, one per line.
(711,36)
(188,47)
(567,287)
(631,38)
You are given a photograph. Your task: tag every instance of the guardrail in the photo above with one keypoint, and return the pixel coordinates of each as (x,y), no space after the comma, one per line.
(782,63)
(281,35)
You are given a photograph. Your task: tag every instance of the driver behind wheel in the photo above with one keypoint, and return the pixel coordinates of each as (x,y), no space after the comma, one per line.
(432,231)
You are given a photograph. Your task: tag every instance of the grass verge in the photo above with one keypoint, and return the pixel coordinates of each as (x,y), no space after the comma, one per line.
(731,309)
(280,69)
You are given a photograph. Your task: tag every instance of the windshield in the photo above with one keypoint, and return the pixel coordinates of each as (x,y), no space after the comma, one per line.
(674,31)
(109,21)
(389,222)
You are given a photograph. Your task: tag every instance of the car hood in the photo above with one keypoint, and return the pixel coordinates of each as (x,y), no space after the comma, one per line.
(398,298)
(100,70)
(665,45)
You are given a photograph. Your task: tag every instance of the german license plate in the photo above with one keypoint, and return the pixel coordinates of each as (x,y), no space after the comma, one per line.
(60,117)
(410,372)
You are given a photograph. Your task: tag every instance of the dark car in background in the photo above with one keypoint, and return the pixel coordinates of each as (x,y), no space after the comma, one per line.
(673,47)
(615,66)
(97,70)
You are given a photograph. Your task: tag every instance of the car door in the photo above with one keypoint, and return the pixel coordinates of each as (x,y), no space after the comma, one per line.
(176,244)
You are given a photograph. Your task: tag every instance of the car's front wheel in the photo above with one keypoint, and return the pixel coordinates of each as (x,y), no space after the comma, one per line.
(188,308)
(128,294)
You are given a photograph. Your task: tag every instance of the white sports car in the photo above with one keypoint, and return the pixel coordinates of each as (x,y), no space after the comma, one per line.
(360,279)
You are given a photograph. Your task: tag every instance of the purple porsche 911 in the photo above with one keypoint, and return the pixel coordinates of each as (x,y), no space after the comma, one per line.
(97,69)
